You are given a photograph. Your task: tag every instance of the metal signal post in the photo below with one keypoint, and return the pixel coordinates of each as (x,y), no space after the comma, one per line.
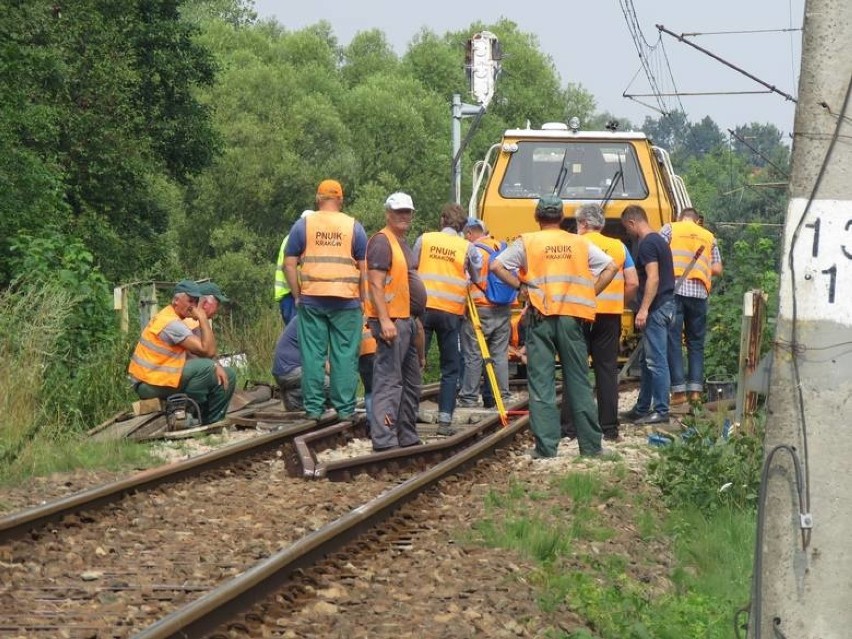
(483,65)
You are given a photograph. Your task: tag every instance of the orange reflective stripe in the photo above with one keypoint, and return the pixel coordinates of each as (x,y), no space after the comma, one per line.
(328,268)
(687,237)
(442,270)
(611,299)
(397,296)
(561,282)
(155,361)
(515,322)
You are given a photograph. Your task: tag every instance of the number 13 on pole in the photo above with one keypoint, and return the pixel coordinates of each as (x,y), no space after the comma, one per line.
(821,262)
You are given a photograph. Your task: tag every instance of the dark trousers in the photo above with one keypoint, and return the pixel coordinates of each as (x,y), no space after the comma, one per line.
(548,337)
(287,307)
(396,387)
(447,327)
(602,337)
(198,381)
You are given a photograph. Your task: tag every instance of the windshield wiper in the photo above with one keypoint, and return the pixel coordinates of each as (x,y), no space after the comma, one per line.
(562,175)
(618,175)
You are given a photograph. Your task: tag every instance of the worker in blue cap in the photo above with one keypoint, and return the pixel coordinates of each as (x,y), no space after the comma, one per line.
(160,365)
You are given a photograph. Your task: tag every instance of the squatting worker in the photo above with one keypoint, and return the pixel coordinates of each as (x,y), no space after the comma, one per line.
(692,289)
(287,367)
(160,367)
(445,261)
(211,298)
(654,317)
(329,247)
(396,295)
(605,332)
(563,274)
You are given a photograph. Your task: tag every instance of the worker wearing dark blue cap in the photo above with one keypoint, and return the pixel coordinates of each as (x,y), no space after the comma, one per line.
(160,367)
(563,274)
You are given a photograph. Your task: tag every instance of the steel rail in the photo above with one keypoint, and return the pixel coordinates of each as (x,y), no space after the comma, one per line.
(17,524)
(307,445)
(220,604)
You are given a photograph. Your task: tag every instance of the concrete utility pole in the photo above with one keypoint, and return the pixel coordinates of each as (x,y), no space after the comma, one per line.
(803,568)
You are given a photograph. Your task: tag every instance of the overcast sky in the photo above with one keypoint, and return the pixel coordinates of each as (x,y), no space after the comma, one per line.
(591,45)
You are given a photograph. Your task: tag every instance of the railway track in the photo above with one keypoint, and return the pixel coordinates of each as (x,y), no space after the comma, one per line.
(176,551)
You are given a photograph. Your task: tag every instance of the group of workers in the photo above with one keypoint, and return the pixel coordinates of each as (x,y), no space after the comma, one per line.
(357,307)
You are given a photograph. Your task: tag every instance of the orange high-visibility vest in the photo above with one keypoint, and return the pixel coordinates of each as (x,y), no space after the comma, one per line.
(442,270)
(155,361)
(368,342)
(515,337)
(328,268)
(560,280)
(397,296)
(476,290)
(687,236)
(611,299)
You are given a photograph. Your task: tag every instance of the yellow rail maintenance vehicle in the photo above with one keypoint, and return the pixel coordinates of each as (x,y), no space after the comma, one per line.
(612,168)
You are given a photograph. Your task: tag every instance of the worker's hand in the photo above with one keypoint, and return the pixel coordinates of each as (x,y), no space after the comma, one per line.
(641,318)
(388,330)
(196,312)
(221,377)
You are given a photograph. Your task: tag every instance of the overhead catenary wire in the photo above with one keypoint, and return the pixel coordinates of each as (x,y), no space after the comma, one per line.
(647,56)
(690,94)
(681,38)
(693,34)
(758,153)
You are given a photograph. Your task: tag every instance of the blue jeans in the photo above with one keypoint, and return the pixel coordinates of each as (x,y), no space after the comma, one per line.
(287,307)
(691,319)
(446,326)
(655,383)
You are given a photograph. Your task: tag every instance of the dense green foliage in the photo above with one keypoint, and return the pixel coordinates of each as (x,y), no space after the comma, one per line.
(708,472)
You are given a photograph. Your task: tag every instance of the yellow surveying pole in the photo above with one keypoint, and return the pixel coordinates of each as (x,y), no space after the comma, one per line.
(489,363)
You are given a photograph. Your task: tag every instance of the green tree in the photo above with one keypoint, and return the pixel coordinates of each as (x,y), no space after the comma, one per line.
(99,101)
(367,54)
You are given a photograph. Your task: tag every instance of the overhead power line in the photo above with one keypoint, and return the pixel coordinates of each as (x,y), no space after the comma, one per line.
(694,34)
(681,38)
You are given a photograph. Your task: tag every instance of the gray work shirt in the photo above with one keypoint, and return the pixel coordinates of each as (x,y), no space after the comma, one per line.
(175,332)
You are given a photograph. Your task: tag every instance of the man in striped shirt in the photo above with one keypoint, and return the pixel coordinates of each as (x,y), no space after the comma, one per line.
(692,288)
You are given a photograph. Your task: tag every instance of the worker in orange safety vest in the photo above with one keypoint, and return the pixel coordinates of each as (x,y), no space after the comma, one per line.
(692,290)
(604,334)
(325,269)
(446,262)
(563,273)
(160,367)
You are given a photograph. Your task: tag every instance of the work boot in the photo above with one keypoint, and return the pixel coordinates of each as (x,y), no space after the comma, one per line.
(678,398)
(631,415)
(695,397)
(445,429)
